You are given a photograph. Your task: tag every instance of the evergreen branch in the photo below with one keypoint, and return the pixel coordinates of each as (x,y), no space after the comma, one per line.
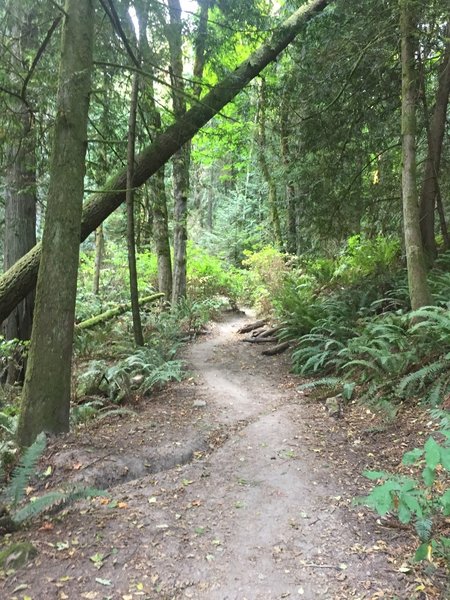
(38,55)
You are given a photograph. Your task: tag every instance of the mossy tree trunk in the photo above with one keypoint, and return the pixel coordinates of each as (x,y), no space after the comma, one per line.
(20,279)
(46,393)
(417,274)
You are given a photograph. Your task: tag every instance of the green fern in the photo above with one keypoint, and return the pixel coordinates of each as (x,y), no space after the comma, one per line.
(14,492)
(55,500)
(21,475)
(325,382)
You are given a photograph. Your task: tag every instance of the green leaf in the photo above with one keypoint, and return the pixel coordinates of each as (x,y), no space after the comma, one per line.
(411,457)
(374,475)
(428,475)
(445,501)
(445,458)
(432,453)
(422,552)
(404,514)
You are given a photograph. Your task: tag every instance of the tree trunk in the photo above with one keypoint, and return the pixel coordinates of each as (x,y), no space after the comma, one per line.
(262,147)
(131,242)
(99,247)
(20,279)
(181,159)
(46,393)
(417,275)
(291,234)
(20,191)
(161,235)
(157,183)
(430,187)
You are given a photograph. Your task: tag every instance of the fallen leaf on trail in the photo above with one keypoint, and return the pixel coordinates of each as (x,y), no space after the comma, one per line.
(122,505)
(187,481)
(20,587)
(140,586)
(90,595)
(97,559)
(103,581)
(47,526)
(103,500)
(77,466)
(196,503)
(152,500)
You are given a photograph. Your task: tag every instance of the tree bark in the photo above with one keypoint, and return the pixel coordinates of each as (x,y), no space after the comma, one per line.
(157,183)
(181,159)
(291,234)
(430,187)
(131,242)
(20,279)
(46,392)
(99,247)
(20,189)
(417,274)
(262,146)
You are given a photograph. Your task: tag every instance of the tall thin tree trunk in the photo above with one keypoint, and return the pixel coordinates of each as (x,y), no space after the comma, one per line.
(99,247)
(131,242)
(417,274)
(20,279)
(430,194)
(262,148)
(46,393)
(180,162)
(291,235)
(20,191)
(157,183)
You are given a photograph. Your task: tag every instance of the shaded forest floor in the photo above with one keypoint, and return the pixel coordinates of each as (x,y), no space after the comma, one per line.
(229,485)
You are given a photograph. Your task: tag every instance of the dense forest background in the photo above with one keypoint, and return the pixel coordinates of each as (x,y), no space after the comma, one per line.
(286,155)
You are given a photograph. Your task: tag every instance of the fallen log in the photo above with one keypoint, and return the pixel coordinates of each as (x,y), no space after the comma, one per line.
(251,326)
(260,340)
(270,332)
(278,349)
(114,312)
(20,279)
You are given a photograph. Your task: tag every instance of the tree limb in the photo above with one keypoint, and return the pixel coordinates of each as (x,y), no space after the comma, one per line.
(18,281)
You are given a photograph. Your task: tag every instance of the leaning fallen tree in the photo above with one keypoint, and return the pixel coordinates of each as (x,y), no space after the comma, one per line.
(20,279)
(114,312)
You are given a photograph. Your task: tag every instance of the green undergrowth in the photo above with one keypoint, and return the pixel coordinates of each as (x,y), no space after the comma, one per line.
(351,325)
(420,493)
(17,506)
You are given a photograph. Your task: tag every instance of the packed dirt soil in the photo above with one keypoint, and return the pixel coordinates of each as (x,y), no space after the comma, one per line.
(231,485)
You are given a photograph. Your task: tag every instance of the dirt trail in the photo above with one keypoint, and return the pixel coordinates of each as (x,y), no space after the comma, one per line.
(259,513)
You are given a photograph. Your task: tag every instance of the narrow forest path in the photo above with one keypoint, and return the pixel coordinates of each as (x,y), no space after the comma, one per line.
(257,512)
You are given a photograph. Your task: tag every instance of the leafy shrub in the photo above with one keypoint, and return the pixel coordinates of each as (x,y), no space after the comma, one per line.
(366,256)
(421,499)
(207,277)
(267,271)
